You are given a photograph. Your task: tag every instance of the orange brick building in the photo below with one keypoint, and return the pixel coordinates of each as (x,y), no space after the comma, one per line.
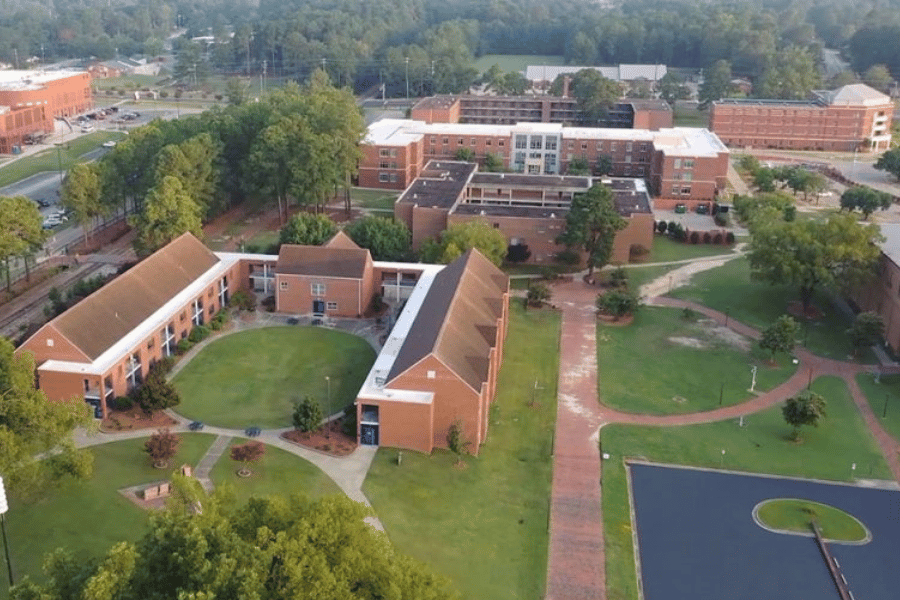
(680,165)
(882,296)
(30,100)
(529,210)
(439,364)
(854,117)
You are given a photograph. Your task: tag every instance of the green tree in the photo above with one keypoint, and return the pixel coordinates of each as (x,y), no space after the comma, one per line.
(493,163)
(618,303)
(578,166)
(716,82)
(792,74)
(878,77)
(308,415)
(764,180)
(457,239)
(168,212)
(780,336)
(465,155)
(672,88)
(591,225)
(274,548)
(595,94)
(275,161)
(31,425)
(867,330)
(511,84)
(538,293)
(837,254)
(455,442)
(604,165)
(386,239)
(197,164)
(236,91)
(20,230)
(807,408)
(866,199)
(890,162)
(81,194)
(156,393)
(307,229)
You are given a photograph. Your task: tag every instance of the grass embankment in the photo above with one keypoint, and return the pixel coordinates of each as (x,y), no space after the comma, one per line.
(70,154)
(763,445)
(485,526)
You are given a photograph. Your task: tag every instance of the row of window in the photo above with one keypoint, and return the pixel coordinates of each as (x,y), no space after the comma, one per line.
(681,190)
(462,142)
(387,177)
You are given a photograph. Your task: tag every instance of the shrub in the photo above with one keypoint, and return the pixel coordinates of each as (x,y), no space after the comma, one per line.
(721,219)
(538,293)
(662,226)
(729,237)
(707,237)
(198,334)
(122,403)
(348,424)
(215,324)
(183,346)
(637,251)
(163,366)
(242,300)
(617,303)
(516,253)
(672,227)
(455,440)
(568,257)
(247,453)
(308,415)
(156,393)
(164,94)
(718,238)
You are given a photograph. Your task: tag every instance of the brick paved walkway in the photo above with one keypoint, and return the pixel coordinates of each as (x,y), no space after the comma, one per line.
(576,559)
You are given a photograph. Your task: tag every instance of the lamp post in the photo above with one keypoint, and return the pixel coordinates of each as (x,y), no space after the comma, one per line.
(328,403)
(59,160)
(4,507)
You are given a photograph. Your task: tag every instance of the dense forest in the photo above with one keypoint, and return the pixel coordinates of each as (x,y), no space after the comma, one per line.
(436,41)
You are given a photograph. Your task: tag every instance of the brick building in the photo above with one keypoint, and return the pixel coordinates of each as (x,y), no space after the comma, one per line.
(30,100)
(509,110)
(529,210)
(680,165)
(854,117)
(883,294)
(438,365)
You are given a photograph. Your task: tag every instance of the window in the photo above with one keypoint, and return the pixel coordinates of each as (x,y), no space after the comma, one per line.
(283,285)
(487,142)
(521,142)
(431,374)
(472,142)
(432,140)
(383,177)
(197,319)
(687,176)
(167,336)
(393,178)
(317,289)
(331,306)
(384,152)
(685,190)
(501,143)
(584,145)
(223,291)
(182,316)
(688,163)
(50,342)
(150,344)
(599,146)
(550,143)
(460,142)
(627,146)
(675,190)
(446,141)
(612,146)
(676,164)
(133,371)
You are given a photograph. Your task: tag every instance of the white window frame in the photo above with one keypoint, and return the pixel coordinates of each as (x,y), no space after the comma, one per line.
(197,317)
(317,289)
(167,337)
(133,370)
(331,305)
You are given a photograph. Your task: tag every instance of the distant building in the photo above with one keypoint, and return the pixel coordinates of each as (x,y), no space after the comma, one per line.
(542,76)
(854,117)
(680,165)
(529,210)
(123,66)
(30,100)
(509,110)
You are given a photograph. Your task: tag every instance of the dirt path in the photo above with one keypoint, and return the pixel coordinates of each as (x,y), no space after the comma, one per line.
(682,275)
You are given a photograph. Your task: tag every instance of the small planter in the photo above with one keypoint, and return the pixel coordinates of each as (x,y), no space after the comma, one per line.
(244,473)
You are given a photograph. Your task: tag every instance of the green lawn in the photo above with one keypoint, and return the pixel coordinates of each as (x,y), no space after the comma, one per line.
(373,199)
(49,160)
(88,517)
(758,304)
(130,82)
(277,473)
(762,446)
(690,117)
(639,275)
(516,62)
(793,514)
(884,398)
(676,377)
(256,377)
(485,526)
(665,250)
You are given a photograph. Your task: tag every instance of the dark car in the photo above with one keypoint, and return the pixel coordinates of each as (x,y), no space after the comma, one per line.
(703,209)
(195,426)
(42,202)
(253,431)
(680,208)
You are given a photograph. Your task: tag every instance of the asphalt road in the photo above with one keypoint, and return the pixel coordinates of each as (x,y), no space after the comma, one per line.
(698,539)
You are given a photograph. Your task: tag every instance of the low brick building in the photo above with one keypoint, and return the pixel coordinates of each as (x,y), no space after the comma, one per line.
(882,295)
(529,210)
(680,165)
(854,117)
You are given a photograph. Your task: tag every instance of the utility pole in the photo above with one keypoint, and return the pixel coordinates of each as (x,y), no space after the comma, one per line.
(407,78)
(42,55)
(16,52)
(262,85)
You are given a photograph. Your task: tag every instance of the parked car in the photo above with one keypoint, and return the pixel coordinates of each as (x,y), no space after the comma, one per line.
(109,144)
(87,128)
(703,209)
(680,208)
(253,431)
(42,202)
(195,426)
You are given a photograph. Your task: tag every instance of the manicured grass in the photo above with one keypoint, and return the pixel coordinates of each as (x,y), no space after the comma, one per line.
(665,250)
(485,526)
(373,199)
(516,62)
(793,514)
(758,304)
(129,82)
(277,473)
(48,160)
(639,275)
(256,377)
(763,445)
(884,399)
(674,376)
(88,517)
(690,117)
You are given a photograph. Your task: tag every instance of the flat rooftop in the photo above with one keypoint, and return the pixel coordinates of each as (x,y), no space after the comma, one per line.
(523,180)
(22,80)
(439,184)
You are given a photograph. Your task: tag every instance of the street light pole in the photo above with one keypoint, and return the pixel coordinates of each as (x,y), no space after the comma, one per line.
(328,403)
(59,159)
(407,78)
(4,507)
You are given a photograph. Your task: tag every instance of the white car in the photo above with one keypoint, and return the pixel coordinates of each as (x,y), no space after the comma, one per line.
(87,128)
(109,144)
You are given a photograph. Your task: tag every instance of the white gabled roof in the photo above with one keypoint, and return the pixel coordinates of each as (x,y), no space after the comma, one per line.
(857,94)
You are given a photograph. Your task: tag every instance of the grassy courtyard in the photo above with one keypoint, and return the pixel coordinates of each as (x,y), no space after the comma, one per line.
(382,200)
(485,526)
(256,377)
(729,289)
(684,364)
(763,445)
(49,160)
(88,517)
(516,62)
(884,399)
(665,249)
